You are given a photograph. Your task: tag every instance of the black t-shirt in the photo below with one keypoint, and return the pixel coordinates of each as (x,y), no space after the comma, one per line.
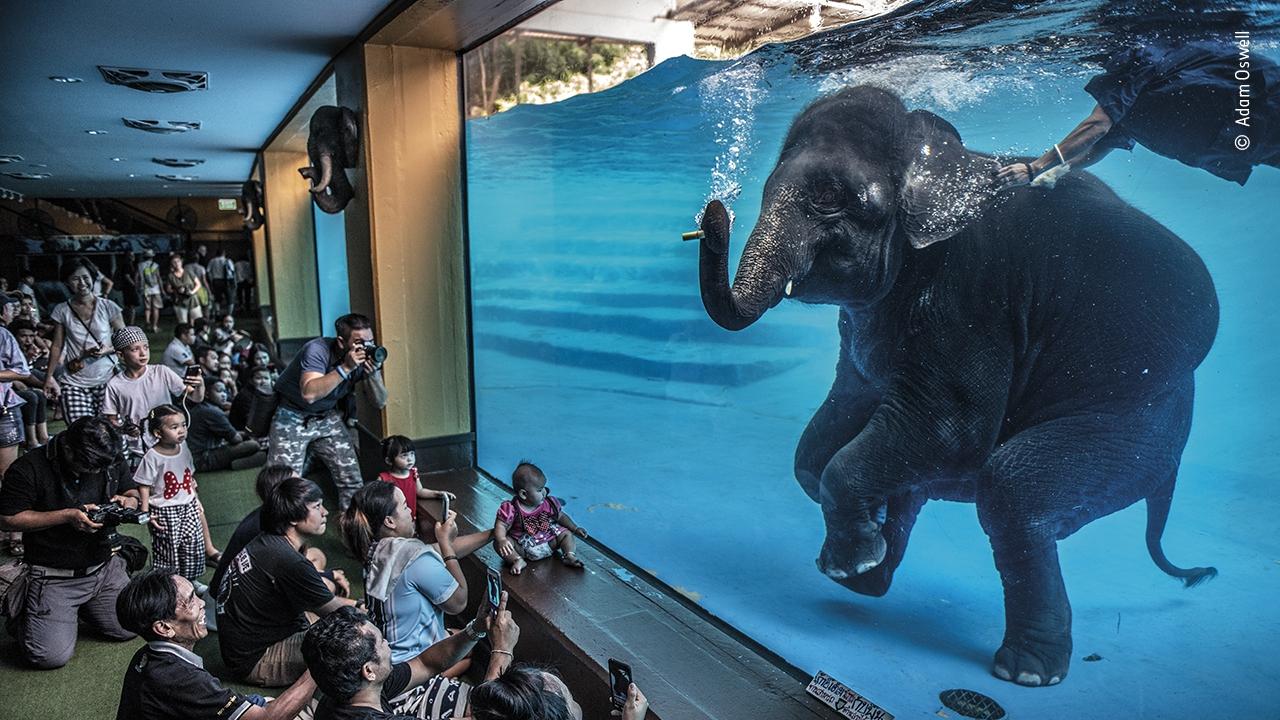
(395,684)
(209,428)
(1178,102)
(267,588)
(36,481)
(246,531)
(319,355)
(165,681)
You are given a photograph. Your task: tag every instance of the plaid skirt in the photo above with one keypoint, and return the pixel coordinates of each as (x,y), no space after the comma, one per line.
(180,546)
(78,402)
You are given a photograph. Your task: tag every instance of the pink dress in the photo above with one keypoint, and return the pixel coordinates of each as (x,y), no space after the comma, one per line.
(532,528)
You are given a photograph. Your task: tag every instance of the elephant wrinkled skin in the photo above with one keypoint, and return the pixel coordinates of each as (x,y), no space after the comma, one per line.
(1031,352)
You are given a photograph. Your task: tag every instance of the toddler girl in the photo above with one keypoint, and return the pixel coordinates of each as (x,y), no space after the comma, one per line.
(397,450)
(531,525)
(166,479)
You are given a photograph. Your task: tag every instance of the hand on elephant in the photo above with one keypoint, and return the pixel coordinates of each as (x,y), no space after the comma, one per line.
(1013,175)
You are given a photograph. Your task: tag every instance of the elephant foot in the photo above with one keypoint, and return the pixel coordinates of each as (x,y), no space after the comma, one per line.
(866,550)
(1033,661)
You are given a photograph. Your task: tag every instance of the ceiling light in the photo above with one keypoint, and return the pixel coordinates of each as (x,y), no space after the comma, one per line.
(64,79)
(6,159)
(156,81)
(117,159)
(162,128)
(179,178)
(95,132)
(178,162)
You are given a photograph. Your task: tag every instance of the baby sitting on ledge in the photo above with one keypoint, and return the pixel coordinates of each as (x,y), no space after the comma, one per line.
(531,525)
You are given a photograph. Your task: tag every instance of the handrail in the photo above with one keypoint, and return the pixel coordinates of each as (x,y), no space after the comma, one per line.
(56,230)
(139,211)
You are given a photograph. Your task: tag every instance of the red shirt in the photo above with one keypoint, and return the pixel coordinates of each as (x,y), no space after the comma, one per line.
(408,486)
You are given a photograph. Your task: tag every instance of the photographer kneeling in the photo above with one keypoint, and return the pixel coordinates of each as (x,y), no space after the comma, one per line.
(166,680)
(53,495)
(315,396)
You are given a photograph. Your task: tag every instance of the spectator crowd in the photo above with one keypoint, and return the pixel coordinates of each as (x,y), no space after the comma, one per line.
(138,437)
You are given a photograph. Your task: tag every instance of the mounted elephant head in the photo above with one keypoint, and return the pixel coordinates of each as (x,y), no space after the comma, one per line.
(251,204)
(860,182)
(333,145)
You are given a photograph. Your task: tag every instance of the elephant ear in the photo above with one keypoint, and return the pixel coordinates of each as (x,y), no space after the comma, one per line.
(945,187)
(349,131)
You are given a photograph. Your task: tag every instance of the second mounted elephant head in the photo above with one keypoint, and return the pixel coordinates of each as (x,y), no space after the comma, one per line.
(333,144)
(251,207)
(861,182)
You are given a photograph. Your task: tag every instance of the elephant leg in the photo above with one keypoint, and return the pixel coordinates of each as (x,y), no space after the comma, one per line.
(838,421)
(1047,482)
(840,418)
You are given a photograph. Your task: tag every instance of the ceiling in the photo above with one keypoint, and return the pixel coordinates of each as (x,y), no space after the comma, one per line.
(260,58)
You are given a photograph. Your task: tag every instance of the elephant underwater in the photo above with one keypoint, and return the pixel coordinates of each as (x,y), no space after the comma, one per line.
(1031,351)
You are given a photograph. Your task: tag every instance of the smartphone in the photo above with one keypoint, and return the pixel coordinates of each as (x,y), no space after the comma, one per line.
(619,682)
(192,372)
(444,508)
(493,590)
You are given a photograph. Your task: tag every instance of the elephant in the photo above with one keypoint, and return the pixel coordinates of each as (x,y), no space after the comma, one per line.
(251,204)
(1029,350)
(333,144)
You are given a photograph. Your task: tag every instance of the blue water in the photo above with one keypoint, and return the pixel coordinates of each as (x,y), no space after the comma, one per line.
(673,439)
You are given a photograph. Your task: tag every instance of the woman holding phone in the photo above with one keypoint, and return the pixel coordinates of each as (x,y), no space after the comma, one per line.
(409,585)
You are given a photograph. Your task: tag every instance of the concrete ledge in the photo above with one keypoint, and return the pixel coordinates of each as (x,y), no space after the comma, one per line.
(686,663)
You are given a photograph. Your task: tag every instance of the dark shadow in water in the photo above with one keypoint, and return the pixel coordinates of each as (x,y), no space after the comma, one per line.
(910,624)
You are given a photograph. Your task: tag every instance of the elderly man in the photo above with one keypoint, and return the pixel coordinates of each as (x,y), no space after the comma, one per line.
(351,662)
(50,494)
(166,680)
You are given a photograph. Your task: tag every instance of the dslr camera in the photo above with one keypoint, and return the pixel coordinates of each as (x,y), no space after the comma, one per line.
(113,513)
(375,352)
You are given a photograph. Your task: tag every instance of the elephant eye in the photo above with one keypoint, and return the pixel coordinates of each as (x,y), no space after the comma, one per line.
(828,198)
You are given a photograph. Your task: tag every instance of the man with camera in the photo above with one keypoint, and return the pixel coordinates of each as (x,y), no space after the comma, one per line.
(316,394)
(67,498)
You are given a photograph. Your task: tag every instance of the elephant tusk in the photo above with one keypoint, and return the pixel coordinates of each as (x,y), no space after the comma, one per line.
(787,290)
(326,174)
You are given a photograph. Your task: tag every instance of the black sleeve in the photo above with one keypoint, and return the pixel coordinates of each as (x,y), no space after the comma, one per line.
(17,492)
(197,695)
(301,583)
(123,478)
(397,682)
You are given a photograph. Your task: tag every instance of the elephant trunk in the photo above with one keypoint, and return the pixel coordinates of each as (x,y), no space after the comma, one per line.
(762,275)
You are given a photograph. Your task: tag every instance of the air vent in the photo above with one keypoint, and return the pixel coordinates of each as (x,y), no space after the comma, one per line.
(162,128)
(179,178)
(156,81)
(27,175)
(178,162)
(6,159)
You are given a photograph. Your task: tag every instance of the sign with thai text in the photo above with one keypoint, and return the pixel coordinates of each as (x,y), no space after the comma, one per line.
(844,700)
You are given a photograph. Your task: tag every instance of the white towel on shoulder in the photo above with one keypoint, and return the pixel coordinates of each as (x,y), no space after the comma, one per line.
(390,557)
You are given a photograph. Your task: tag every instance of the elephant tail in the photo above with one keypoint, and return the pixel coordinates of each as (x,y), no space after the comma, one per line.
(1158,504)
